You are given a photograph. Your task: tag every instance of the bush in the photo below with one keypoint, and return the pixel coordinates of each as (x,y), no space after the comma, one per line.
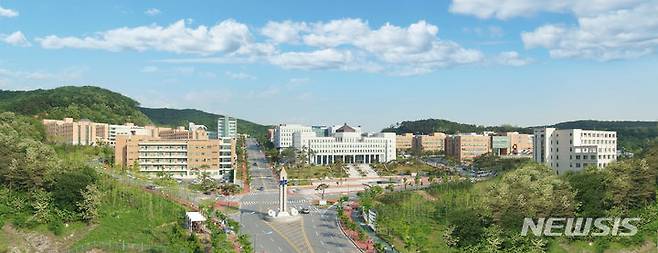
(57,227)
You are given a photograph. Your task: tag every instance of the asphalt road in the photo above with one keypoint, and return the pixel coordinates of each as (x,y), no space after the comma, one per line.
(315,233)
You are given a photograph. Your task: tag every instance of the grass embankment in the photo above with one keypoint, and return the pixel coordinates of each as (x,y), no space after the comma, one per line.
(405,167)
(134,217)
(417,221)
(411,220)
(315,172)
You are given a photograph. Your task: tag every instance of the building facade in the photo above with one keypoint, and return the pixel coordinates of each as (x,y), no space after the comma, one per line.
(82,132)
(466,147)
(180,133)
(434,142)
(574,149)
(227,127)
(178,158)
(283,134)
(347,145)
(129,129)
(404,142)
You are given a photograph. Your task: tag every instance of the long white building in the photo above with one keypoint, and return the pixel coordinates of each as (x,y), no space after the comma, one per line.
(574,149)
(346,144)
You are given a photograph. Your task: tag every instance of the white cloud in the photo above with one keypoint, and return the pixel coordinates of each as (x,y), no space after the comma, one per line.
(320,59)
(512,58)
(239,75)
(505,9)
(367,49)
(284,32)
(15,39)
(342,44)
(152,12)
(227,36)
(619,34)
(9,13)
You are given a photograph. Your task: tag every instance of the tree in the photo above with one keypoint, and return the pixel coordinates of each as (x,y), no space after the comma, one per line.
(207,183)
(322,187)
(26,164)
(92,199)
(531,191)
(591,187)
(630,184)
(42,204)
(68,186)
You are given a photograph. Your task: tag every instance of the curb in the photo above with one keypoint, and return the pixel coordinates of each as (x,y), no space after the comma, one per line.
(343,231)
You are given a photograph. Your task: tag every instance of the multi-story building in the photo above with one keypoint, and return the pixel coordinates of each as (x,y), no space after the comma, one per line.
(180,133)
(129,129)
(520,143)
(466,147)
(346,144)
(574,149)
(82,132)
(178,158)
(404,142)
(227,127)
(500,145)
(283,134)
(433,142)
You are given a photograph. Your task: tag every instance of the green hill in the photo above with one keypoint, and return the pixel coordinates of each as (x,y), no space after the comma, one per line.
(86,102)
(427,126)
(633,135)
(180,117)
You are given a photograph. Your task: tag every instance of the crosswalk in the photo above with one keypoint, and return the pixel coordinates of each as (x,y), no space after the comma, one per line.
(273,202)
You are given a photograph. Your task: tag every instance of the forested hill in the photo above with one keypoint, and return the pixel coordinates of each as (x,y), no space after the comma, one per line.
(633,135)
(102,105)
(180,117)
(86,102)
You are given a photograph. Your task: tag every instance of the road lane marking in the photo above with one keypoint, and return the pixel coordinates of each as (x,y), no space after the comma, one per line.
(306,237)
(285,238)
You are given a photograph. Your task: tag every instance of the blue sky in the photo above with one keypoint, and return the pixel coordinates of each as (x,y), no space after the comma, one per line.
(369,63)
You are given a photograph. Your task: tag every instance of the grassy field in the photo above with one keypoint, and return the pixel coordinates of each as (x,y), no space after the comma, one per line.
(405,167)
(315,172)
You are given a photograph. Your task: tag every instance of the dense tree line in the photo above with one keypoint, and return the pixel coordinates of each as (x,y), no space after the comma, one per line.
(428,126)
(87,102)
(633,135)
(623,189)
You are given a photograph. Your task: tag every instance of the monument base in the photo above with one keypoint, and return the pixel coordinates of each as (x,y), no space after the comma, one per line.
(278,216)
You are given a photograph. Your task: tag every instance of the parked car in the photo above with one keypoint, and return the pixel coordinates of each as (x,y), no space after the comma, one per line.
(305,210)
(150,187)
(261,188)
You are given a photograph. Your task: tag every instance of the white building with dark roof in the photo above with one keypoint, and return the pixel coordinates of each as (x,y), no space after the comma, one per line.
(346,144)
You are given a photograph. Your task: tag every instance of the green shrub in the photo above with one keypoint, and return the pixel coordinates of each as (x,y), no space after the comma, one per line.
(57,227)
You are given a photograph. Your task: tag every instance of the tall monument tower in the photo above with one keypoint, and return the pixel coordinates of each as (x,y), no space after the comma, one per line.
(283,191)
(282,214)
